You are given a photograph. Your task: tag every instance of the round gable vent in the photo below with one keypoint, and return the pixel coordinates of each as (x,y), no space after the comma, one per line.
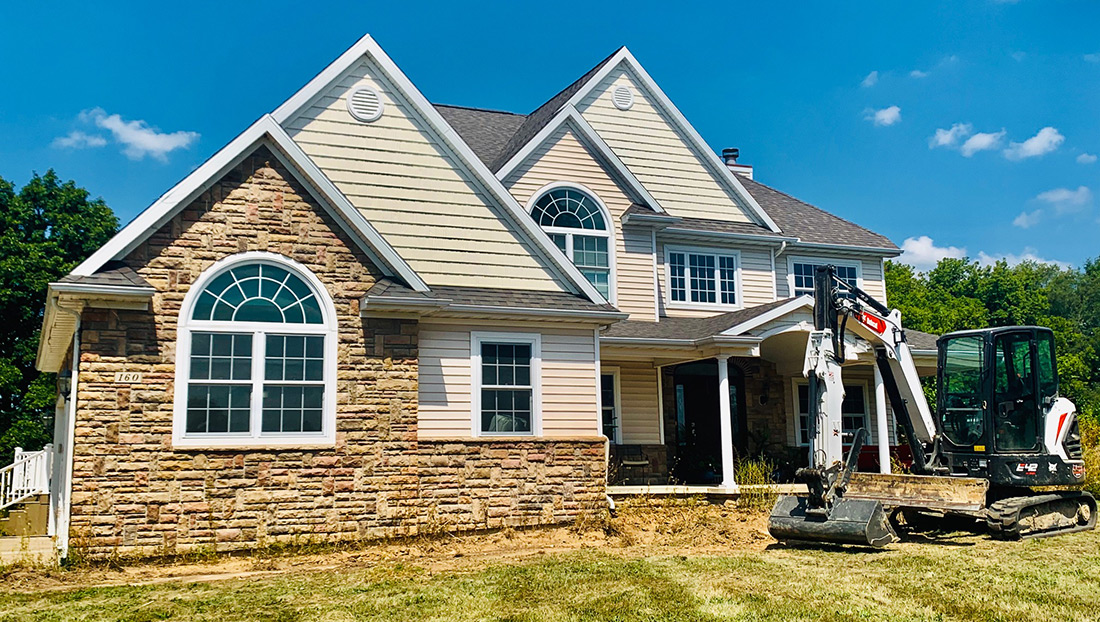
(622,97)
(365,104)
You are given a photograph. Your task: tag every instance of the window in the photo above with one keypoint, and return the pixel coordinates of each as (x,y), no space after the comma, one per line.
(802,274)
(257,349)
(853,412)
(1016,420)
(506,376)
(960,392)
(576,223)
(702,277)
(609,404)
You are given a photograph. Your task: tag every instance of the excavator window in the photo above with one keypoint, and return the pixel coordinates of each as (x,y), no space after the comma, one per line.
(1015,402)
(961,390)
(1048,374)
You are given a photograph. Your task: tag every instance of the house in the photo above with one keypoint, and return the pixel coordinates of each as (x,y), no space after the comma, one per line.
(371,316)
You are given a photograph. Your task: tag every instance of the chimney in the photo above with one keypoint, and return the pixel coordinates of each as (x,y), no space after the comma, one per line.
(729,156)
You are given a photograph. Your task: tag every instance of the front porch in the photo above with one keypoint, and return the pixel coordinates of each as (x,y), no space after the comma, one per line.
(685,413)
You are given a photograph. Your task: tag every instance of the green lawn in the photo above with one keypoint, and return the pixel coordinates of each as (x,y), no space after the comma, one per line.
(966,578)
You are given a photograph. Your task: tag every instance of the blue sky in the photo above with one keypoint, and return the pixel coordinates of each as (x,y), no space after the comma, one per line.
(951,127)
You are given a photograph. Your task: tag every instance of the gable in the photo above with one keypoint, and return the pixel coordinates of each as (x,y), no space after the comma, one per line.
(657,152)
(407,182)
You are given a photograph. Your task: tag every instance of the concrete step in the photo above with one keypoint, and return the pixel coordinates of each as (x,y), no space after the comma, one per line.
(27,519)
(27,550)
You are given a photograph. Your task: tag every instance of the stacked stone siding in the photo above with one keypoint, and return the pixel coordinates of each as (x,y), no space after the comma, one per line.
(133,493)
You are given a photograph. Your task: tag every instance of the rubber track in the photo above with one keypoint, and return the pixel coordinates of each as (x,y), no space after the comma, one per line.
(1003,517)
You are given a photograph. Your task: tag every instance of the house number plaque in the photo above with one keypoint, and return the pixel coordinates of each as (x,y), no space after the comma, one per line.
(128,377)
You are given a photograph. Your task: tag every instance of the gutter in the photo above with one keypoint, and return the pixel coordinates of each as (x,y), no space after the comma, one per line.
(876,250)
(731,235)
(135,291)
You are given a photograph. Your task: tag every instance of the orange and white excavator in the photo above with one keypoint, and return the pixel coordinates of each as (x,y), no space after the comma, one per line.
(1000,432)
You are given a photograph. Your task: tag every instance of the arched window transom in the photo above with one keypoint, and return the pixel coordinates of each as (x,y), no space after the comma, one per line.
(256,356)
(576,223)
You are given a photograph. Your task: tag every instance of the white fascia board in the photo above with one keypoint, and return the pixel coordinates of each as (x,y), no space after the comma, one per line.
(848,248)
(770,240)
(264,131)
(702,149)
(802,302)
(570,115)
(458,147)
(121,291)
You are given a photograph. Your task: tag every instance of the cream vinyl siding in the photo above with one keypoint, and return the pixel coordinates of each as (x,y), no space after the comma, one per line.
(564,158)
(408,185)
(568,380)
(638,403)
(871,277)
(649,144)
(756,278)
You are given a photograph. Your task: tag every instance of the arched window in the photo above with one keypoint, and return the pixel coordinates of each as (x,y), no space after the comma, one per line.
(256,356)
(577,224)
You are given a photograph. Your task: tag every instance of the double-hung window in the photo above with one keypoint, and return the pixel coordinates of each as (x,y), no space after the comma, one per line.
(505,369)
(575,222)
(609,404)
(853,412)
(256,357)
(803,270)
(703,277)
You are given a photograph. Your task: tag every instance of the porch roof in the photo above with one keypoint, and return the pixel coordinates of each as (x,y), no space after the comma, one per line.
(689,328)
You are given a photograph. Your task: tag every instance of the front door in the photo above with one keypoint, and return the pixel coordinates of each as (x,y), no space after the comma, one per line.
(698,431)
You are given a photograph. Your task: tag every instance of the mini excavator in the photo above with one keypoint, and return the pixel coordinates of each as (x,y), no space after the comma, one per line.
(1003,447)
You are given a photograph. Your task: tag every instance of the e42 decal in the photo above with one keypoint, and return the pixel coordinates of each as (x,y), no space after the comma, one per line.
(1027,468)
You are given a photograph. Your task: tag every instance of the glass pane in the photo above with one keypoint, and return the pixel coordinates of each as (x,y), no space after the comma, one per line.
(221,356)
(568,207)
(961,391)
(218,408)
(258,293)
(504,410)
(1017,414)
(292,408)
(1048,376)
(258,310)
(677,282)
(559,240)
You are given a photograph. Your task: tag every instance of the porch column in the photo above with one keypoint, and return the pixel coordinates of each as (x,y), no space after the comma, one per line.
(880,418)
(725,421)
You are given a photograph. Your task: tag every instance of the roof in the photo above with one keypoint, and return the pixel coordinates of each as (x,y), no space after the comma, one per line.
(485,131)
(488,297)
(112,274)
(920,341)
(544,113)
(688,327)
(812,224)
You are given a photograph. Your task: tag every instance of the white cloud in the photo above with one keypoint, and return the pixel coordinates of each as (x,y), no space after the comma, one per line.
(1086,158)
(1012,259)
(1092,58)
(1027,220)
(1065,200)
(923,254)
(981,141)
(950,137)
(1048,139)
(138,138)
(1019,56)
(870,80)
(883,117)
(917,73)
(78,140)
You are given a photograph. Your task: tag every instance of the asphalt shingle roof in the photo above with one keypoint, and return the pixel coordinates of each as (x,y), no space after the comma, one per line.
(688,327)
(488,296)
(113,273)
(485,131)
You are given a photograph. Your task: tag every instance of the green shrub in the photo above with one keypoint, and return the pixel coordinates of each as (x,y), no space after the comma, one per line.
(1090,444)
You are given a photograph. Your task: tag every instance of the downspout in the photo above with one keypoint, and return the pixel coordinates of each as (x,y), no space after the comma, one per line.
(64,489)
(775,276)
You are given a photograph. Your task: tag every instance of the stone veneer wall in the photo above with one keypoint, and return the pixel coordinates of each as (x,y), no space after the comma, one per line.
(134,494)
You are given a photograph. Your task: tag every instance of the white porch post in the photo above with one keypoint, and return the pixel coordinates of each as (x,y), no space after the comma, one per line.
(725,422)
(880,420)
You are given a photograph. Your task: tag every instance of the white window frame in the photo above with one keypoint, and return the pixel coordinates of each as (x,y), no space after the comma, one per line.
(532,339)
(821,261)
(254,438)
(713,252)
(867,419)
(617,417)
(568,232)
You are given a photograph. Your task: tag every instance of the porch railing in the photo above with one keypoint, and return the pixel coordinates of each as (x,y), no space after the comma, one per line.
(26,477)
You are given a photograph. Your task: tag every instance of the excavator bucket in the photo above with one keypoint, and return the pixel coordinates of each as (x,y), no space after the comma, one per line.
(847,521)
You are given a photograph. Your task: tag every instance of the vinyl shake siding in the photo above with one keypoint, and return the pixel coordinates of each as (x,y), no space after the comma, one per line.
(404,180)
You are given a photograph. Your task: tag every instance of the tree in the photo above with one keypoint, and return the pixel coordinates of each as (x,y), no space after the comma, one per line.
(45,230)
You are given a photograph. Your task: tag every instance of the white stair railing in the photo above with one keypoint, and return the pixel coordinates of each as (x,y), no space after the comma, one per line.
(26,477)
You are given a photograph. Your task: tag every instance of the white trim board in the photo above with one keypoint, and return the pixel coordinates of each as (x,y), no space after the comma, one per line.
(464,156)
(477,338)
(265,132)
(571,118)
(708,156)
